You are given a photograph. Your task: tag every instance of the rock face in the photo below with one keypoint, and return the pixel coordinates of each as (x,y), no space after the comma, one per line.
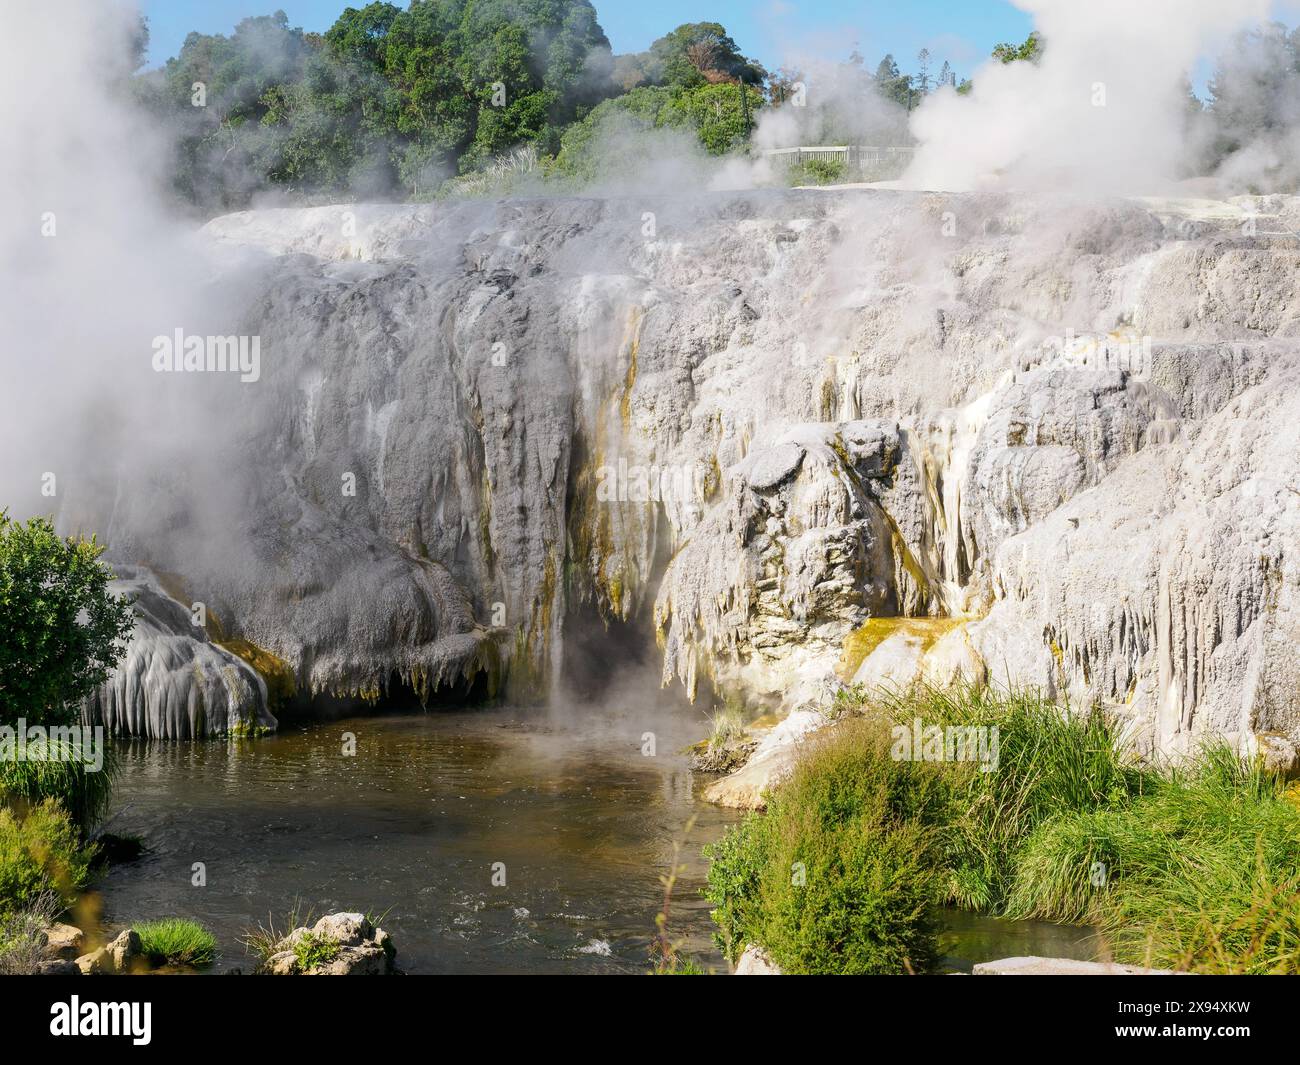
(807,435)
(771,762)
(174,682)
(339,944)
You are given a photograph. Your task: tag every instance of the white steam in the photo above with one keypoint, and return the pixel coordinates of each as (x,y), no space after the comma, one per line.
(1105,110)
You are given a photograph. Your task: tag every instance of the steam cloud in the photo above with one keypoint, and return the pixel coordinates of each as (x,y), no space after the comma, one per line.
(1104,111)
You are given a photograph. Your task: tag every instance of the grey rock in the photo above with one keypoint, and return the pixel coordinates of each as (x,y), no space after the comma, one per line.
(348,929)
(755,962)
(174,682)
(768,468)
(282,963)
(366,960)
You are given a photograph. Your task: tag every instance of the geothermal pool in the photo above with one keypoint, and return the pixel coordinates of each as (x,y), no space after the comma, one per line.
(415,822)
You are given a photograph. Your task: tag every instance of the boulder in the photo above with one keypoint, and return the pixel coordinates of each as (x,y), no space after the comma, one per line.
(63,940)
(122,955)
(770,763)
(346,929)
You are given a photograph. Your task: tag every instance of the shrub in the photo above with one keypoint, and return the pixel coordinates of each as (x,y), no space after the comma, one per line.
(818,172)
(63,629)
(1049,762)
(1194,868)
(22,935)
(262,940)
(176,941)
(40,854)
(1202,872)
(840,874)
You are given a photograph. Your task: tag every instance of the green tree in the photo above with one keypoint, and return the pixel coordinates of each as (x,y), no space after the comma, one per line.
(362,34)
(1031,51)
(893,84)
(61,630)
(385,101)
(719,114)
(696,54)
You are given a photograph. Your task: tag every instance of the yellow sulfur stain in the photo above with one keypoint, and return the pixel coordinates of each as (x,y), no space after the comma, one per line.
(863,640)
(280,681)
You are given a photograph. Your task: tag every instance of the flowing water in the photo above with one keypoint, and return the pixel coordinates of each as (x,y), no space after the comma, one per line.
(414,824)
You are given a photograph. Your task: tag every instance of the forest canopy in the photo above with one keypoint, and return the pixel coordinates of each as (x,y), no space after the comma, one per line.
(391,103)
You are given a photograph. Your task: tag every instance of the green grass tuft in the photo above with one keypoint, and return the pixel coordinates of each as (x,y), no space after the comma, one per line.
(312,950)
(177,941)
(84,793)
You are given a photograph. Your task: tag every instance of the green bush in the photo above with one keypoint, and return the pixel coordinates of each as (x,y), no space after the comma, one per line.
(41,853)
(176,941)
(818,172)
(63,630)
(1196,868)
(840,874)
(23,938)
(312,950)
(1049,762)
(1202,872)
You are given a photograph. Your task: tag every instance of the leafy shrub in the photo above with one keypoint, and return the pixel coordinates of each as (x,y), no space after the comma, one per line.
(176,941)
(1049,762)
(63,629)
(1194,868)
(41,853)
(818,172)
(840,874)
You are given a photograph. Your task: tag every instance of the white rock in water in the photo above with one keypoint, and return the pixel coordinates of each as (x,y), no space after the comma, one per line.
(358,949)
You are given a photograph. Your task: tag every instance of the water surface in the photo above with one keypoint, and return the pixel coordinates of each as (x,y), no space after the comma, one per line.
(413,826)
(581,820)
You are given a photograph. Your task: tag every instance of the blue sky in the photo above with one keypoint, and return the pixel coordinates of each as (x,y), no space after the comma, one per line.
(962,31)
